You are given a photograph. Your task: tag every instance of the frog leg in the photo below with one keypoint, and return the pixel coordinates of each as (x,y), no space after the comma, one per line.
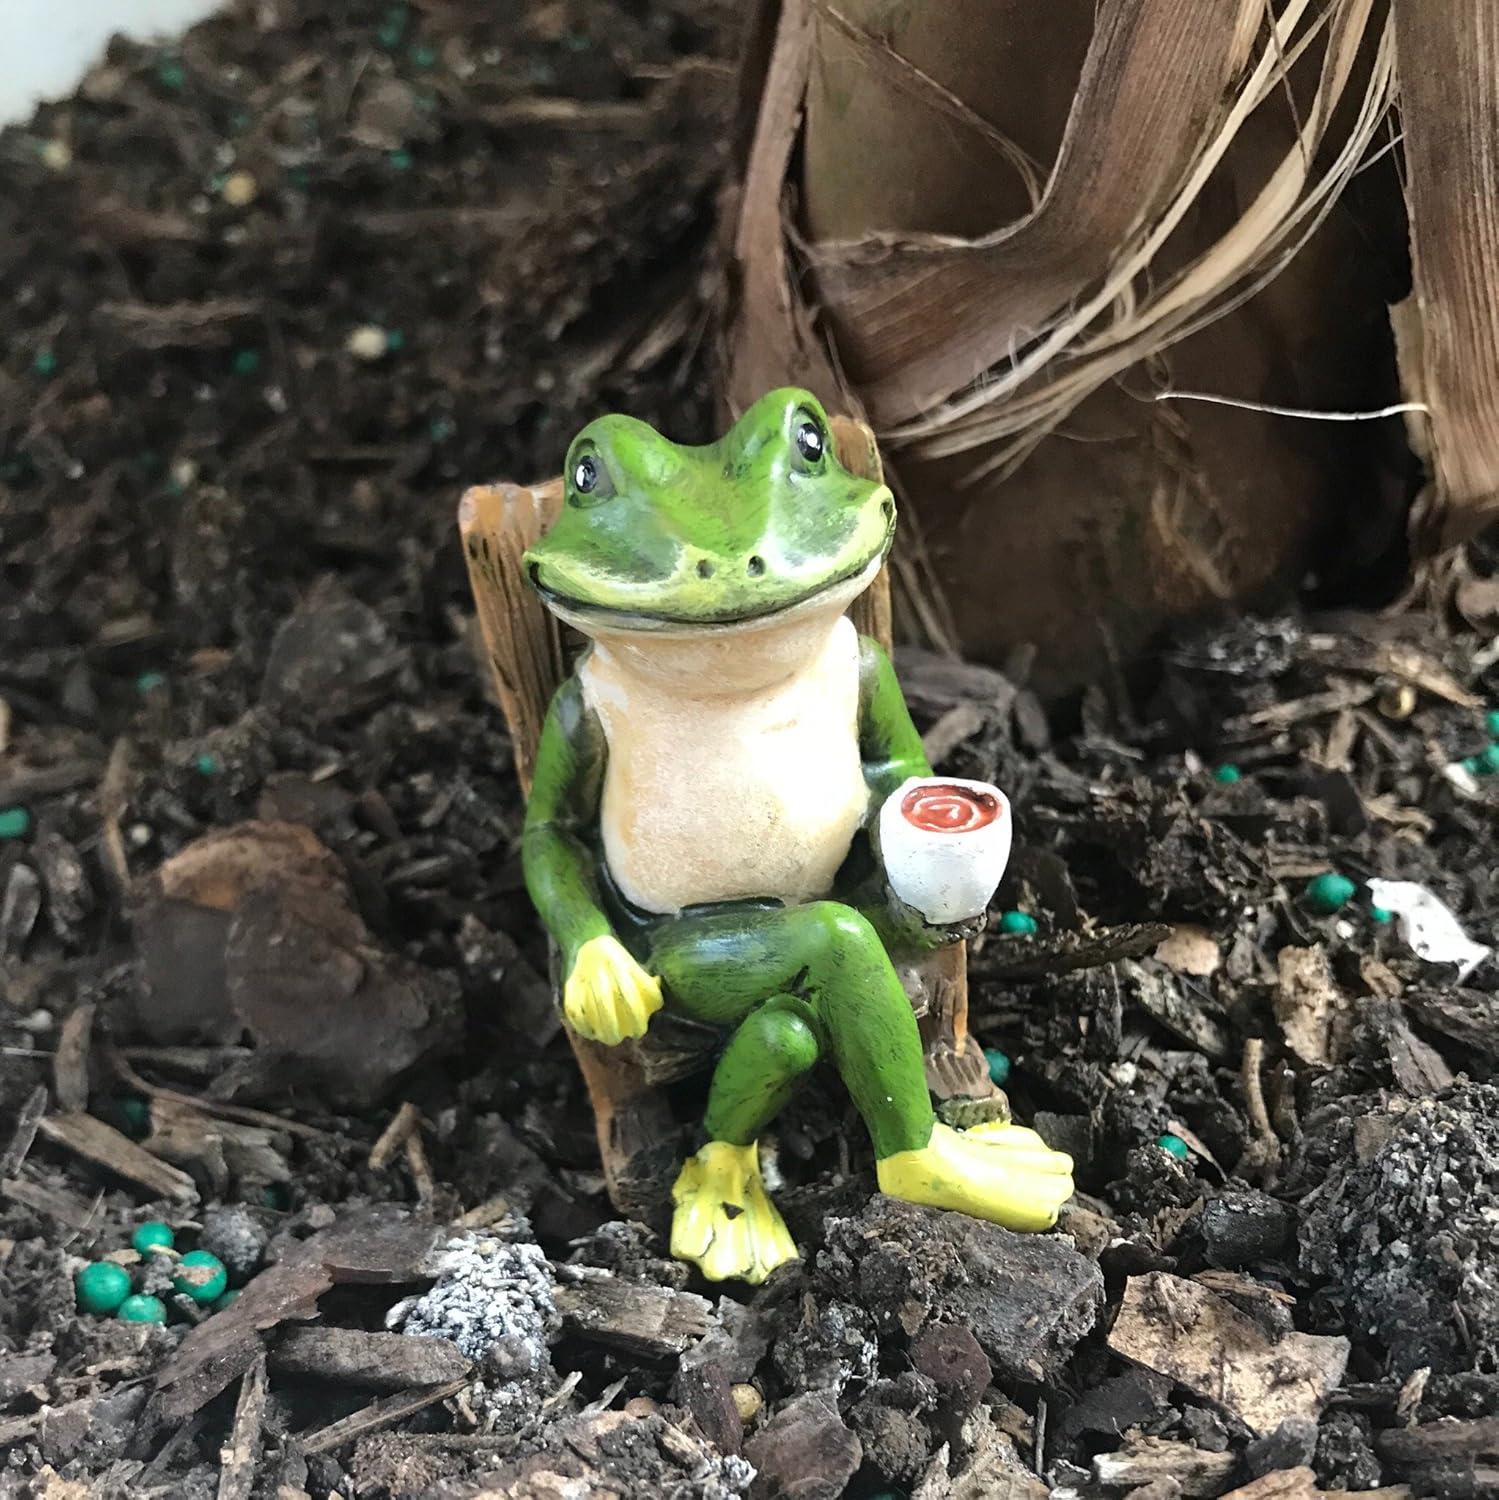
(724,1219)
(719,967)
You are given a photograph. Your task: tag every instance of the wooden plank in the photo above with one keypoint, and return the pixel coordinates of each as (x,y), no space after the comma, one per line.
(106,1147)
(497,522)
(373,1361)
(652,1321)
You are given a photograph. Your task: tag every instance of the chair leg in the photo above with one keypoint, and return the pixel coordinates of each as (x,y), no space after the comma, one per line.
(640,1144)
(955,1064)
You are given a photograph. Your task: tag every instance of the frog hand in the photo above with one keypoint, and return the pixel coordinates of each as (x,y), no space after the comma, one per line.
(909,929)
(608,997)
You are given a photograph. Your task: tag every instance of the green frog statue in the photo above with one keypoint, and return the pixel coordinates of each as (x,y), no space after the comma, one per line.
(703,831)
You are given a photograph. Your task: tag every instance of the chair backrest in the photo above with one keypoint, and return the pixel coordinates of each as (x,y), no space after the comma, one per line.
(522,641)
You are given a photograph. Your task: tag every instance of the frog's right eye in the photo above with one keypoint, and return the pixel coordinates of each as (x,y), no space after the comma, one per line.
(589,481)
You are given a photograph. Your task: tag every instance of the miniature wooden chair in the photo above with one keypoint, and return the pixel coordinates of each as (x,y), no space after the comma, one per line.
(639,1139)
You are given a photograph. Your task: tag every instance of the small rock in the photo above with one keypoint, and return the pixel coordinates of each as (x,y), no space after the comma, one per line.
(1241,1227)
(805,1452)
(1206,1428)
(239,189)
(389,114)
(953,1360)
(331,657)
(1027,1298)
(238,1239)
(897,1444)
(1190,950)
(1291,1446)
(827,1345)
(368,342)
(1115,1405)
(1345,1458)
(94,1431)
(1404,1226)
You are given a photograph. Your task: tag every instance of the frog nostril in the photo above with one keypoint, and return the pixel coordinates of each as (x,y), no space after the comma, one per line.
(888,506)
(755,566)
(704,568)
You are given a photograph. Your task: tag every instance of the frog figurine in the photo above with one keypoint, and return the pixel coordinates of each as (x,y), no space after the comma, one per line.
(700,830)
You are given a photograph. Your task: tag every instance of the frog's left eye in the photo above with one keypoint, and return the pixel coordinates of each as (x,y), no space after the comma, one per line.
(811,441)
(589,481)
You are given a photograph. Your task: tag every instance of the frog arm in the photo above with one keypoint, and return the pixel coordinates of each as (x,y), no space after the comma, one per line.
(889,745)
(564,804)
(891,751)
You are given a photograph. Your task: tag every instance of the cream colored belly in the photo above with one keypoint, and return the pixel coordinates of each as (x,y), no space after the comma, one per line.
(718,796)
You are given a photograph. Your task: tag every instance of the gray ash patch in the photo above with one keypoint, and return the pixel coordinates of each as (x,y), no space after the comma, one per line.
(1407,1227)
(493,1299)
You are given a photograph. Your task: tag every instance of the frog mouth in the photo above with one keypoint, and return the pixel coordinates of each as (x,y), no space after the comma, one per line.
(585,616)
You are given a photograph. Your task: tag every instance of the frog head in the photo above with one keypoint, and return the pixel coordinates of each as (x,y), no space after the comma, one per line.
(656,536)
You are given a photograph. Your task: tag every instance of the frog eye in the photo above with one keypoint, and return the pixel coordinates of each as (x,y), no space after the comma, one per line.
(810,440)
(588,480)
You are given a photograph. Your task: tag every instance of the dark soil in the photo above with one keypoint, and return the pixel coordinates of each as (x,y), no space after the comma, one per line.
(231,594)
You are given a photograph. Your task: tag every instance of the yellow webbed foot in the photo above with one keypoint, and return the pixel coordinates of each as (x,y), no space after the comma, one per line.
(724,1221)
(997,1171)
(608,997)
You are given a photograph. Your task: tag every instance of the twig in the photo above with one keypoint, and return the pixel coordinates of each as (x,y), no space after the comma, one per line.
(25,1132)
(241,1112)
(66,1208)
(112,797)
(420,1169)
(1254,1094)
(70,1065)
(484,1214)
(241,1454)
(377,1415)
(405,1120)
(1263,1152)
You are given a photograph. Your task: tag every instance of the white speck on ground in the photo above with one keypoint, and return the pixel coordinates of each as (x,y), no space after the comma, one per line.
(1428,925)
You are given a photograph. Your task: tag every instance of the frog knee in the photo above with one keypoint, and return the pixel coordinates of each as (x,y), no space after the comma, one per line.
(787,1042)
(842,929)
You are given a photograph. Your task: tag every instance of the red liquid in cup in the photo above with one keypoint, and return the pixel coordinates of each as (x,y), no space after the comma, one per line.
(948,809)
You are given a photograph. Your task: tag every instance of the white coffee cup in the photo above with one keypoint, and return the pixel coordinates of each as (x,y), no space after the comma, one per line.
(945,843)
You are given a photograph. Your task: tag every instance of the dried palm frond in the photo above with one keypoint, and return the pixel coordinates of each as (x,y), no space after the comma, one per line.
(1447,331)
(893,253)
(1123,315)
